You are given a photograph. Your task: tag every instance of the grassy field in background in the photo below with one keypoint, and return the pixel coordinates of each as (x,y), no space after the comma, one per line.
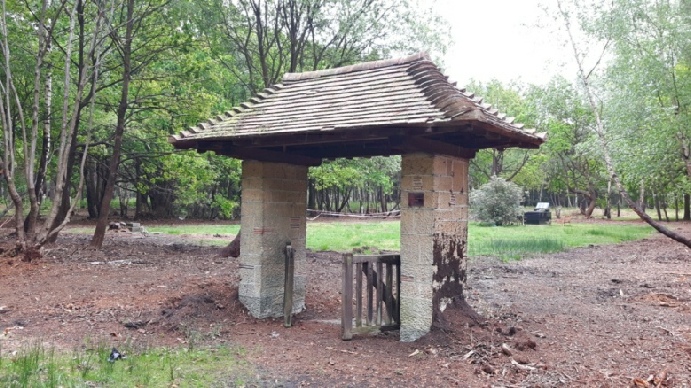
(506,241)
(509,242)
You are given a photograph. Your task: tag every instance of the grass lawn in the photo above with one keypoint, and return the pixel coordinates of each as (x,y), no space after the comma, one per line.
(509,242)
(513,242)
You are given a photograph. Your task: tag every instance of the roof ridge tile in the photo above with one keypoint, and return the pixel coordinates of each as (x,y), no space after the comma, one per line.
(293,77)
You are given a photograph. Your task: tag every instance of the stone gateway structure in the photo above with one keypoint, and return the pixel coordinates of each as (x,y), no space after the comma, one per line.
(393,107)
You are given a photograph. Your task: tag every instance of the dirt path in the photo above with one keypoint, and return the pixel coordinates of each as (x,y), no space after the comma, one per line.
(598,316)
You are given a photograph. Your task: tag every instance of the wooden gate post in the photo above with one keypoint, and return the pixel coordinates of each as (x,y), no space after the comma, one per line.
(288,286)
(347,297)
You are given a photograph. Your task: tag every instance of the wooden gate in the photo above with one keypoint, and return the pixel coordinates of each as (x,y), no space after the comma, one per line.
(381,294)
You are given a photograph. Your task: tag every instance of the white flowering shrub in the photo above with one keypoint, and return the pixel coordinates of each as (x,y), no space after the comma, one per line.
(497,203)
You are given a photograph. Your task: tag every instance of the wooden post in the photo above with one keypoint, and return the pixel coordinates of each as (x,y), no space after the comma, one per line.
(358,294)
(380,292)
(389,294)
(288,286)
(347,298)
(370,293)
(397,308)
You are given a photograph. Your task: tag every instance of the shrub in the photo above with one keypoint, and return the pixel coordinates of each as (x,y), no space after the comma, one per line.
(497,202)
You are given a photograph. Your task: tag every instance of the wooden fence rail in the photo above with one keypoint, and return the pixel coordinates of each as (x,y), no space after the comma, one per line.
(382,275)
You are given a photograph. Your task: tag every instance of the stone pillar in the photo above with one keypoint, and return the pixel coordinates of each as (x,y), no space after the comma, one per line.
(274,199)
(434,232)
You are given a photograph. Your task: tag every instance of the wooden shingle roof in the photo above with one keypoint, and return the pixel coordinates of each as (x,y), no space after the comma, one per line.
(375,108)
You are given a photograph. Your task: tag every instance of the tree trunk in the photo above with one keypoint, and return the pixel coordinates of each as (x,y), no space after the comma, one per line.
(608,202)
(656,199)
(346,198)
(311,193)
(99,233)
(592,201)
(641,196)
(687,207)
(123,198)
(94,186)
(326,199)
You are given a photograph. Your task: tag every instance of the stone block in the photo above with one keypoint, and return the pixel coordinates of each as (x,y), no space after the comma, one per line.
(416,318)
(448,214)
(424,222)
(441,199)
(416,164)
(264,306)
(460,184)
(248,289)
(421,272)
(441,165)
(447,227)
(413,244)
(443,183)
(275,171)
(252,168)
(407,221)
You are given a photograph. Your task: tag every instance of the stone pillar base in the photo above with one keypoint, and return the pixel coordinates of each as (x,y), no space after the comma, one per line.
(274,197)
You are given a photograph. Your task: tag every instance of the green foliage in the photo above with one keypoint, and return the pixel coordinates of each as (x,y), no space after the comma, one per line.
(497,202)
(358,172)
(570,159)
(224,206)
(510,164)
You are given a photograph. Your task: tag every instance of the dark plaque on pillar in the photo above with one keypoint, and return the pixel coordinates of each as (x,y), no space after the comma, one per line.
(416,199)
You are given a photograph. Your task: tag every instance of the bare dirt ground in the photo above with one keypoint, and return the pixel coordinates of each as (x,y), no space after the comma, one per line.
(601,316)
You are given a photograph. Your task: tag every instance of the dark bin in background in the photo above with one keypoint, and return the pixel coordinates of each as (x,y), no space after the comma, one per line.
(540,216)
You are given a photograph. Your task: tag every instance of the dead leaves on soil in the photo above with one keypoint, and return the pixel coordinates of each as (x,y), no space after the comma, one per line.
(664,300)
(653,381)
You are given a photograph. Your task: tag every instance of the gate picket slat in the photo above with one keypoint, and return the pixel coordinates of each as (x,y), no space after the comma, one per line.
(397,307)
(370,294)
(380,292)
(358,294)
(389,294)
(347,318)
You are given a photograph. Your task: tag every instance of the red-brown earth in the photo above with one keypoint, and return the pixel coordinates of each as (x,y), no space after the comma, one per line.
(601,316)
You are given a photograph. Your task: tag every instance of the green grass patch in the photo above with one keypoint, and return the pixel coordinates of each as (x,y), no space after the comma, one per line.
(513,242)
(346,236)
(162,367)
(515,249)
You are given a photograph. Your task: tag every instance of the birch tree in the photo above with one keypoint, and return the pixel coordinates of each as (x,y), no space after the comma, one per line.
(585,76)
(20,118)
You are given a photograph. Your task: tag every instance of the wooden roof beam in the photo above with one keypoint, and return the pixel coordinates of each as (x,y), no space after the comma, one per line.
(421,144)
(263,155)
